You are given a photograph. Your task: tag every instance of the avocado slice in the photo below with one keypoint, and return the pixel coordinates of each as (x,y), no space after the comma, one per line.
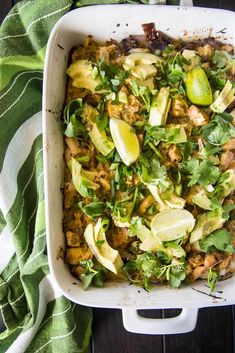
(201,199)
(140,64)
(225,98)
(149,242)
(89,113)
(140,58)
(102,143)
(207,223)
(149,82)
(143,71)
(122,97)
(177,134)
(82,179)
(226,184)
(160,107)
(173,201)
(96,240)
(80,68)
(81,73)
(174,250)
(85,82)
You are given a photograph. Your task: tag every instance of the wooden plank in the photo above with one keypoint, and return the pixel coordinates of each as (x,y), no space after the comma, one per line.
(207,3)
(5,7)
(227,4)
(213,333)
(109,335)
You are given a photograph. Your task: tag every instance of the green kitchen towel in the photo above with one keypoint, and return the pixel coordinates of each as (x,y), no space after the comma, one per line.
(37,317)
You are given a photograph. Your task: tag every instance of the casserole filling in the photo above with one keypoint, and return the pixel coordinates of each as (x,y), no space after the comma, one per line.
(149,183)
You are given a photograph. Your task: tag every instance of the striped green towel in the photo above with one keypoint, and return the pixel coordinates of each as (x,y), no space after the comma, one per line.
(37,317)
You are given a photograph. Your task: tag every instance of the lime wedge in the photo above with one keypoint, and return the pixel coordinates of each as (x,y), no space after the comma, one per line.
(125,140)
(198,88)
(172,224)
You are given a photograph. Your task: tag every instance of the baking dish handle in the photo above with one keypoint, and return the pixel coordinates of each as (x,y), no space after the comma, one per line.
(186,2)
(184,322)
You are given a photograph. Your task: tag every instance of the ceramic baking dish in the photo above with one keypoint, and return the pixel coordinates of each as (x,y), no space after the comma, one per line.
(117,22)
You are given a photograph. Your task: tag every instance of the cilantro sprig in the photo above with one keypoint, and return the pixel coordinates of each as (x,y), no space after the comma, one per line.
(147,267)
(219,240)
(219,130)
(201,172)
(92,276)
(73,126)
(212,279)
(111,76)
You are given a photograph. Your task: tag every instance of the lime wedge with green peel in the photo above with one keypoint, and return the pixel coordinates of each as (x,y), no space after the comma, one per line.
(125,140)
(198,88)
(172,224)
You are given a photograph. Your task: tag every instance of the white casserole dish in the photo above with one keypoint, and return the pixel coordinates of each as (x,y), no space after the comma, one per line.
(117,22)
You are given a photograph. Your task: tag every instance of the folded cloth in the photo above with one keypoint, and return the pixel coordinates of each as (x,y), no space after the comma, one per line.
(37,317)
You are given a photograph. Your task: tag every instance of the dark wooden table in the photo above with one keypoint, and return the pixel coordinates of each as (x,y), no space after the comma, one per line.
(215,330)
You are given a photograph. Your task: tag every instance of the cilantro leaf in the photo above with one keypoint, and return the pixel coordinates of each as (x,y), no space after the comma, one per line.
(93,209)
(143,92)
(156,134)
(140,270)
(102,122)
(219,130)
(209,150)
(148,266)
(190,166)
(83,159)
(186,150)
(226,211)
(73,107)
(220,58)
(123,209)
(91,275)
(219,240)
(87,279)
(212,279)
(176,275)
(101,159)
(74,127)
(203,173)
(111,76)
(151,171)
(175,74)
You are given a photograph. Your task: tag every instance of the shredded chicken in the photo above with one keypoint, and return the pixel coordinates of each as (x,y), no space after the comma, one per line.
(206,51)
(196,273)
(197,116)
(226,159)
(174,154)
(75,255)
(72,145)
(179,107)
(230,145)
(145,204)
